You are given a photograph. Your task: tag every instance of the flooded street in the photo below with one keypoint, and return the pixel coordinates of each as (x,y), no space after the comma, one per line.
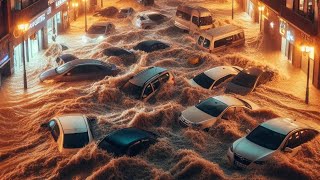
(29,152)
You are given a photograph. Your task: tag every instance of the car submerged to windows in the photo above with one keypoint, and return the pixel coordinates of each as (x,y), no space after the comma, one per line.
(71,132)
(98,31)
(247,80)
(149,19)
(80,69)
(147,82)
(276,135)
(208,112)
(128,141)
(150,46)
(214,77)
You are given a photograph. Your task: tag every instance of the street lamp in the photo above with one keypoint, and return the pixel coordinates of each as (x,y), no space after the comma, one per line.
(307,50)
(85,15)
(23,28)
(232,8)
(261,9)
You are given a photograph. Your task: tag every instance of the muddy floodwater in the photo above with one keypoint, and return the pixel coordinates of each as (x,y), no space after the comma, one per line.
(29,152)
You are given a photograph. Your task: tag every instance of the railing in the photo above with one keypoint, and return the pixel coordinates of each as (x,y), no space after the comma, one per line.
(302,22)
(31,11)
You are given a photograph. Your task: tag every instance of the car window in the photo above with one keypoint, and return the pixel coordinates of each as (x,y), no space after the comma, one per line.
(141,18)
(294,140)
(156,84)
(223,42)
(147,91)
(156,17)
(109,27)
(164,78)
(307,135)
(200,40)
(229,113)
(206,43)
(54,129)
(223,79)
(195,20)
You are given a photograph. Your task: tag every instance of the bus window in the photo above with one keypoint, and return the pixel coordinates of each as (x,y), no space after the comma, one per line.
(206,43)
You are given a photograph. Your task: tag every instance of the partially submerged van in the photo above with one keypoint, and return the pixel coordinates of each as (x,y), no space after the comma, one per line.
(219,38)
(193,18)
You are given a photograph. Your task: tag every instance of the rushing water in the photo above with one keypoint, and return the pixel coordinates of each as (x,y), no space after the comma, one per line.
(28,152)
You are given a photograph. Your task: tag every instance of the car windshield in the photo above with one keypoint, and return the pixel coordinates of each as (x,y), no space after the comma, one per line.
(212,107)
(132,90)
(245,80)
(63,68)
(97,30)
(156,17)
(204,21)
(76,140)
(203,80)
(266,138)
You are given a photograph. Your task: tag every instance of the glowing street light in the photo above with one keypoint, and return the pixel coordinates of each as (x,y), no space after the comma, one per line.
(261,9)
(24,28)
(307,50)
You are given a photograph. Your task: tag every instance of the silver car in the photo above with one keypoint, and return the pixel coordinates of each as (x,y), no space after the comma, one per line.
(149,19)
(207,112)
(276,135)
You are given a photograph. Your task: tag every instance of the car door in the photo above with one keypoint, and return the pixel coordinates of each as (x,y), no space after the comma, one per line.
(148,91)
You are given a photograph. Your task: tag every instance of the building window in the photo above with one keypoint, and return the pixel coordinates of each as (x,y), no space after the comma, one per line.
(3,19)
(22,4)
(301,5)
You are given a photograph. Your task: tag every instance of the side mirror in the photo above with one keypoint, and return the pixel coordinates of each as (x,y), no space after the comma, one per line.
(288,150)
(248,131)
(44,125)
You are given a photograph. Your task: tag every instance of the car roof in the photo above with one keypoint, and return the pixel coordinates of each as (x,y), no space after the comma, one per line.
(253,71)
(77,62)
(150,43)
(214,32)
(73,123)
(284,125)
(220,71)
(229,100)
(101,23)
(127,136)
(142,77)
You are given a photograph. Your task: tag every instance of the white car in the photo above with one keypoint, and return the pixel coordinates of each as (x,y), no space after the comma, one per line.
(149,19)
(71,132)
(214,77)
(276,135)
(98,31)
(207,112)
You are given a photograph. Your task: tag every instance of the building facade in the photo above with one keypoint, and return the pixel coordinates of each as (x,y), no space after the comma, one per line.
(291,24)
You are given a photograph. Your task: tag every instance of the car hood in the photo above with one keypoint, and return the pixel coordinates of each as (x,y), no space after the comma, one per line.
(250,150)
(193,83)
(195,115)
(48,75)
(234,88)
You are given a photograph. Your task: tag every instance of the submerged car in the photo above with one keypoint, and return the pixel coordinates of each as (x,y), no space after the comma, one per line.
(65,58)
(149,19)
(208,112)
(214,77)
(98,31)
(128,141)
(146,2)
(110,11)
(71,132)
(125,12)
(79,69)
(247,80)
(124,54)
(150,46)
(276,135)
(147,82)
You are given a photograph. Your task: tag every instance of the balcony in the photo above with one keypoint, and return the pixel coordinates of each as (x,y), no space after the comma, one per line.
(273,4)
(299,21)
(29,12)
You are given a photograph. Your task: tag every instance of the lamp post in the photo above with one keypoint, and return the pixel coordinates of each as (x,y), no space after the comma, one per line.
(23,28)
(261,9)
(232,12)
(307,50)
(85,15)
